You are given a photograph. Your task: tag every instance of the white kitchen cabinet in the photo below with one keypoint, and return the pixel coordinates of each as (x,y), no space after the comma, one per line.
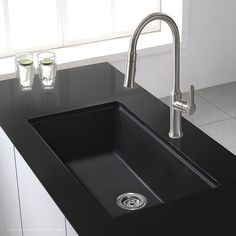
(10,221)
(26,209)
(40,215)
(70,229)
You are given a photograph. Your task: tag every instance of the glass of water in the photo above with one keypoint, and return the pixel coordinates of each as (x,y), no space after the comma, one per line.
(25,70)
(47,69)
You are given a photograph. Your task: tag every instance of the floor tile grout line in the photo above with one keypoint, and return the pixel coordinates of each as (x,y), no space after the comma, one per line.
(214,105)
(214,122)
(210,103)
(229,116)
(206,100)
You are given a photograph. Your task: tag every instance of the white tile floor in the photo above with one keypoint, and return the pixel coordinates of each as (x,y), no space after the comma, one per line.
(216,113)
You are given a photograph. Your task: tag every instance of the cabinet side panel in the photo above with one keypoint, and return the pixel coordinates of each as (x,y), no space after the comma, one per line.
(40,214)
(10,221)
(70,230)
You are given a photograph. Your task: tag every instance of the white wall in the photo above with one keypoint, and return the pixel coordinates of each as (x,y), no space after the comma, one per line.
(210,54)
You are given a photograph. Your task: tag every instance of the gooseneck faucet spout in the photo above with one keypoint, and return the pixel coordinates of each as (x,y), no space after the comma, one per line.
(177,106)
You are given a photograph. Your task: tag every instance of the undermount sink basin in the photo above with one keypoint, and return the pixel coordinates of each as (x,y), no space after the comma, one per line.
(111,152)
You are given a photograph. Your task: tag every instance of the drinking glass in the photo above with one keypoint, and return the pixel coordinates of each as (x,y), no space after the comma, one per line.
(24,64)
(47,69)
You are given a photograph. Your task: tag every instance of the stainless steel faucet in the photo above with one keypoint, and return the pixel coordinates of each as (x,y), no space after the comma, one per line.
(177,106)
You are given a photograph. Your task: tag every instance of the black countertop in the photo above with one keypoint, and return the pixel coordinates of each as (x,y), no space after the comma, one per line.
(206,212)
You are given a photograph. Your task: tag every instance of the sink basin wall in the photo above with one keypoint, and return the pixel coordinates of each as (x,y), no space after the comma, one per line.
(111,152)
(162,169)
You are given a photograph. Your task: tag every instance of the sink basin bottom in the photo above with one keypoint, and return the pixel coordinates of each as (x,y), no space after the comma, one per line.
(113,178)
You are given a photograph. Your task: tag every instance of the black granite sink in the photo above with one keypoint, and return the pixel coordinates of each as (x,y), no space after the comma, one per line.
(110,152)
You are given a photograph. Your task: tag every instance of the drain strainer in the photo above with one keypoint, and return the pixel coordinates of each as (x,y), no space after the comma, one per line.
(131,201)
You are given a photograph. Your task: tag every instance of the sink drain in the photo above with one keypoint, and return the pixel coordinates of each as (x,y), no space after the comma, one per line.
(131,201)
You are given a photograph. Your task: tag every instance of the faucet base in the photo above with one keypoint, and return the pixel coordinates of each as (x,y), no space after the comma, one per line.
(175,136)
(175,124)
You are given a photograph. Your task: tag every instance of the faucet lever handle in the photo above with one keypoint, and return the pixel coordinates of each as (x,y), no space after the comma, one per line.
(191,108)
